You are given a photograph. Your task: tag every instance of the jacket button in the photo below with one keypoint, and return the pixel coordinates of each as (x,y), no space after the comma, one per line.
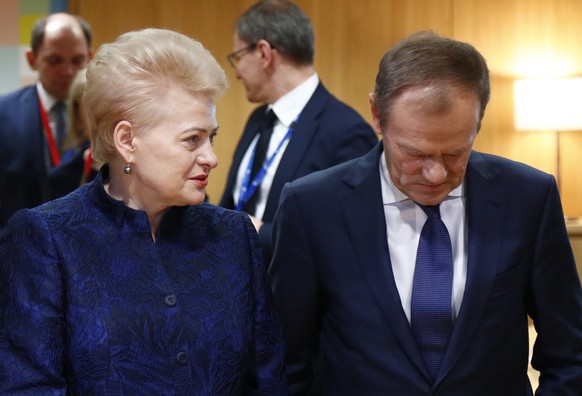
(170,300)
(182,358)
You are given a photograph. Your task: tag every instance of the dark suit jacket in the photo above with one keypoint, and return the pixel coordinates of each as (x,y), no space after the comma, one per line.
(332,278)
(66,177)
(22,157)
(327,133)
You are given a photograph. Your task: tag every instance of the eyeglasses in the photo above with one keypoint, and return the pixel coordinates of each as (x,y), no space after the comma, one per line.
(234,57)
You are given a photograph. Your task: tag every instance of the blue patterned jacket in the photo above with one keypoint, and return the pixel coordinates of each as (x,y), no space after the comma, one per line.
(90,305)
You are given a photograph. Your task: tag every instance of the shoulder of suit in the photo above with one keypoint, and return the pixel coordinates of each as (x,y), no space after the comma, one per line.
(339,110)
(24,93)
(494,165)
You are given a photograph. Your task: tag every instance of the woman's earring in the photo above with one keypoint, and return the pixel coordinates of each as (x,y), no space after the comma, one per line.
(127,169)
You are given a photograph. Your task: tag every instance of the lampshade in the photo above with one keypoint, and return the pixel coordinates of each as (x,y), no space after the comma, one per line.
(548,104)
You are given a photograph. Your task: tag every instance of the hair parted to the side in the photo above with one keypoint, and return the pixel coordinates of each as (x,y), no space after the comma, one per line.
(39,27)
(129,78)
(427,58)
(283,25)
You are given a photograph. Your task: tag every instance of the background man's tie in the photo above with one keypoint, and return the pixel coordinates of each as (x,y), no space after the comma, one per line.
(260,157)
(60,111)
(431,313)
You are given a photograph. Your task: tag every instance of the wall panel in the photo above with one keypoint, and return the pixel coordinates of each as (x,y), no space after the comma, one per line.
(527,38)
(352,36)
(516,36)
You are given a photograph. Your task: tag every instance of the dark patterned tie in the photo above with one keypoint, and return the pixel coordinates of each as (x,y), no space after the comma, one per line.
(60,111)
(431,314)
(260,157)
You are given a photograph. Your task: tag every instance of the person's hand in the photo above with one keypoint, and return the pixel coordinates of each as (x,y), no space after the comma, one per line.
(256,222)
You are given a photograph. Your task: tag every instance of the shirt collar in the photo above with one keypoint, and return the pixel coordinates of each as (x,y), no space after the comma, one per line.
(46,99)
(289,106)
(391,194)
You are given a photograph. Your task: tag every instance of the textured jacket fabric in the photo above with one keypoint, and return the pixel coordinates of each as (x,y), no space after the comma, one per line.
(90,305)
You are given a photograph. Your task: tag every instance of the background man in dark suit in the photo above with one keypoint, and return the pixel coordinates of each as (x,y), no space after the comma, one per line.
(29,119)
(274,45)
(347,277)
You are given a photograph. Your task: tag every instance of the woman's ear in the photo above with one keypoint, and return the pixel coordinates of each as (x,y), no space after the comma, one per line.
(123,135)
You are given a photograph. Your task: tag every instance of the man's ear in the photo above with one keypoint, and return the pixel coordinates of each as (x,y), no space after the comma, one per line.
(31,58)
(267,52)
(123,136)
(375,115)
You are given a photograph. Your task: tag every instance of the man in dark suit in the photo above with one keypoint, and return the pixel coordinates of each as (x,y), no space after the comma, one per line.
(273,57)
(29,119)
(403,300)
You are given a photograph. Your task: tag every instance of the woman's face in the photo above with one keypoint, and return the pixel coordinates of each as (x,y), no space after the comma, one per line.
(172,161)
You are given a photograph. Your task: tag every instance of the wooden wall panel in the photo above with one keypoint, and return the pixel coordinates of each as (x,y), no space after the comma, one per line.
(524,37)
(352,36)
(518,37)
(110,18)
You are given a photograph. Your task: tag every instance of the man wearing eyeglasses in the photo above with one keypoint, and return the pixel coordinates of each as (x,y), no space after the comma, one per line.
(299,127)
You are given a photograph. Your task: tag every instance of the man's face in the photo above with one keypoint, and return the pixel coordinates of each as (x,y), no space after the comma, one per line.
(428,139)
(248,70)
(61,55)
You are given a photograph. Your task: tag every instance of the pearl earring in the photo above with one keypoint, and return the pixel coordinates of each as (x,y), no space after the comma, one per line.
(127,169)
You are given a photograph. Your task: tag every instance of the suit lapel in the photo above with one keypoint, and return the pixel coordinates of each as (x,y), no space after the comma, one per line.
(366,227)
(303,133)
(253,126)
(34,130)
(483,201)
(483,206)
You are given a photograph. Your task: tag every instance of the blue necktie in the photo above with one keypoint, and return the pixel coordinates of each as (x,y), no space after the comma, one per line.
(431,314)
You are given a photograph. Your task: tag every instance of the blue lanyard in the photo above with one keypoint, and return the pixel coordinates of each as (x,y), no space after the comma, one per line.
(248,188)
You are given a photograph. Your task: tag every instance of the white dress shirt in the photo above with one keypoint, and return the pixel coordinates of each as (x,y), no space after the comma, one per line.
(404,222)
(287,109)
(47,103)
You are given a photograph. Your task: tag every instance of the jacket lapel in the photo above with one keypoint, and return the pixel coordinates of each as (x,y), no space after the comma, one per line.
(303,133)
(35,130)
(253,126)
(371,246)
(483,206)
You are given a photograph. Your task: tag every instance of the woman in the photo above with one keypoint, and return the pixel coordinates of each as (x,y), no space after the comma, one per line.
(131,284)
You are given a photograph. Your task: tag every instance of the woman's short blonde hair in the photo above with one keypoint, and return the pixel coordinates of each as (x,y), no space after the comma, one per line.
(130,78)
